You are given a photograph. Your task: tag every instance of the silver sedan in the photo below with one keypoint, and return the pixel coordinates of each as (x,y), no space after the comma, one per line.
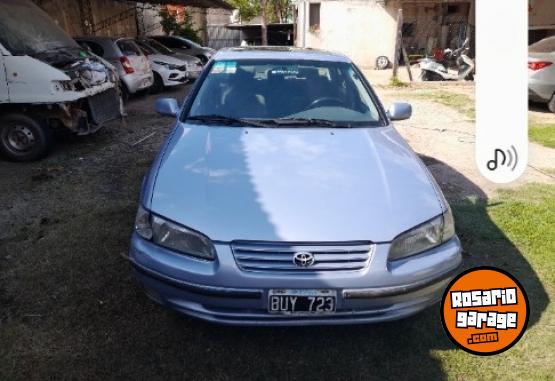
(285,196)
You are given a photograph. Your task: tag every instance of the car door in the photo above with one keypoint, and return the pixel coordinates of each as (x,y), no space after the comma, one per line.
(4,91)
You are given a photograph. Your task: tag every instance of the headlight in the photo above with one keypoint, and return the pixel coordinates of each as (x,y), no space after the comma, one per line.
(423,237)
(173,236)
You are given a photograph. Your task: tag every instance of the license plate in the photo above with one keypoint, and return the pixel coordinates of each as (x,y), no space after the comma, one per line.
(302,301)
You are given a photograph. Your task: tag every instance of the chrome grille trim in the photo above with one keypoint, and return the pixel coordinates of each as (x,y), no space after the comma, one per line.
(278,257)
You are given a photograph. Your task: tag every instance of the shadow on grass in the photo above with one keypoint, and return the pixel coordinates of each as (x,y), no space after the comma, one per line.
(97,325)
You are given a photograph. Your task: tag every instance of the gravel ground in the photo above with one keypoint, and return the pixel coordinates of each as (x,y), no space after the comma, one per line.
(448,136)
(69,308)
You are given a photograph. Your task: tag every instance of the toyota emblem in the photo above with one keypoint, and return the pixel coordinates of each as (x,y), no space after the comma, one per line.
(303,259)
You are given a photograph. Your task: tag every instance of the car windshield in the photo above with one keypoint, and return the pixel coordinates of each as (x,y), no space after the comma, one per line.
(158,46)
(192,43)
(26,30)
(546,45)
(281,91)
(146,48)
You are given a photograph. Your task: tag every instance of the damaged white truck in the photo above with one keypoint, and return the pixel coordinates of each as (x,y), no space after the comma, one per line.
(48,82)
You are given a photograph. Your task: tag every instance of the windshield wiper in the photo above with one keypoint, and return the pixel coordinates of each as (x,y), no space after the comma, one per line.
(226,120)
(309,122)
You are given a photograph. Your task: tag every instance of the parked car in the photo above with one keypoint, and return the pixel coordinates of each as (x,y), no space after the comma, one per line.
(285,196)
(194,64)
(183,45)
(541,72)
(133,66)
(47,83)
(168,70)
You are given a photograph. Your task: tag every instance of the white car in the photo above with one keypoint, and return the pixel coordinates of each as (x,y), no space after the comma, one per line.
(541,72)
(168,71)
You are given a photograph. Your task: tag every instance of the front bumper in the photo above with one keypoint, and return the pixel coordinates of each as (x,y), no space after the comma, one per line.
(220,292)
(137,81)
(540,90)
(177,77)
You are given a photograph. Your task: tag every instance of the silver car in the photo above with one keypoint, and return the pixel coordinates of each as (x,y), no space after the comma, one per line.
(132,64)
(285,196)
(541,72)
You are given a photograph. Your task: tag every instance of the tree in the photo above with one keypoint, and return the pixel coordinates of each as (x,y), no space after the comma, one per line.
(264,21)
(268,10)
(248,9)
(280,10)
(185,28)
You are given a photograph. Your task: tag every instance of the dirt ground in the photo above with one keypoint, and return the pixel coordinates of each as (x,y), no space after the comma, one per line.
(448,136)
(69,308)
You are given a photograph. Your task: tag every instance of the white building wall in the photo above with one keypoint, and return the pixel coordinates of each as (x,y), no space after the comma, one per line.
(360,29)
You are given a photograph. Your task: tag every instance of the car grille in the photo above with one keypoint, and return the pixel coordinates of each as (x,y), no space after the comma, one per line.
(272,257)
(104,106)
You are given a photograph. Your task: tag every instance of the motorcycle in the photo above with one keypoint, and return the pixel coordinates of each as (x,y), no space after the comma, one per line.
(432,69)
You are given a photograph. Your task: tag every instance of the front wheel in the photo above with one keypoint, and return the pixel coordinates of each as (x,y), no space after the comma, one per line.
(158,85)
(203,59)
(23,138)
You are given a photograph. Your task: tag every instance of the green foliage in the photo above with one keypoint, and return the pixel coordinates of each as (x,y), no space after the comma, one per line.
(276,10)
(248,9)
(279,10)
(543,134)
(185,28)
(396,82)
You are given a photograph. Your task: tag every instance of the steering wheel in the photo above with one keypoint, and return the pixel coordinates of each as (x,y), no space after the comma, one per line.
(330,101)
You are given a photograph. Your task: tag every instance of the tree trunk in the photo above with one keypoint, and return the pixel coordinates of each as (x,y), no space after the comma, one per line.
(263,23)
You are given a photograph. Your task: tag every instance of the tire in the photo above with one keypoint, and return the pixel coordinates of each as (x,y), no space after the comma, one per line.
(158,85)
(203,59)
(551,104)
(124,93)
(23,138)
(382,63)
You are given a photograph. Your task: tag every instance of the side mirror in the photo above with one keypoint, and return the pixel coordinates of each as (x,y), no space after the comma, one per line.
(167,107)
(400,111)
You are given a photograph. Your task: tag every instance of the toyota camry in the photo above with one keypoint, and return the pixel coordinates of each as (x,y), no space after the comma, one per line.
(285,196)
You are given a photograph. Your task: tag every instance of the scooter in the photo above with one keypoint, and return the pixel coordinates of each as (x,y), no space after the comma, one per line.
(434,70)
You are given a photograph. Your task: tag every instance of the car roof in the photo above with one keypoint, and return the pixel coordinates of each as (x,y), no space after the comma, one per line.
(103,38)
(279,52)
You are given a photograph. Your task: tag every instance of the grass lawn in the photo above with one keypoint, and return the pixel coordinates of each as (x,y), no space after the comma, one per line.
(517,233)
(460,102)
(543,134)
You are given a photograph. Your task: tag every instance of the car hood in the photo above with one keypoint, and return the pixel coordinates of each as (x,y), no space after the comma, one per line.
(187,58)
(165,59)
(293,184)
